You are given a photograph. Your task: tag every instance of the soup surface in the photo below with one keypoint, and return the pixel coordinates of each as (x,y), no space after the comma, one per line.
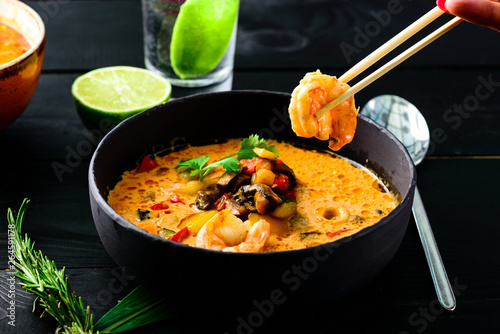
(321,198)
(12,43)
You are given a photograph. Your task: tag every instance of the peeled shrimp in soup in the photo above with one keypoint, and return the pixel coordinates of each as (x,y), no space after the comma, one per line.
(255,240)
(337,125)
(228,233)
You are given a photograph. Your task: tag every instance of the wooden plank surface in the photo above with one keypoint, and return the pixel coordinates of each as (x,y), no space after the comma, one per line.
(446,98)
(455,83)
(277,34)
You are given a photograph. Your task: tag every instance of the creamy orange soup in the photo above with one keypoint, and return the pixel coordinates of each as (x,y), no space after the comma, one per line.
(12,43)
(332,198)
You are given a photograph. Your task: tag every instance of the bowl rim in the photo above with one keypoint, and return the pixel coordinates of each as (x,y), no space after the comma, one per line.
(37,42)
(131,227)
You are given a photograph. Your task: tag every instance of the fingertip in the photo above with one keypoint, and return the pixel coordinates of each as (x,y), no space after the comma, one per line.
(442,5)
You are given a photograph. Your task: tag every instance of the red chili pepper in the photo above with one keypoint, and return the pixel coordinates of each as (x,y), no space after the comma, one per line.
(159,206)
(220,204)
(332,234)
(282,182)
(176,199)
(147,164)
(248,165)
(181,235)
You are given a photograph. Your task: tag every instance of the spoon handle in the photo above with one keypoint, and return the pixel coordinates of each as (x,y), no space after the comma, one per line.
(439,277)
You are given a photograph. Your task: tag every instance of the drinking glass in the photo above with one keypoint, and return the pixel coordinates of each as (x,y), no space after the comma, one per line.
(159,17)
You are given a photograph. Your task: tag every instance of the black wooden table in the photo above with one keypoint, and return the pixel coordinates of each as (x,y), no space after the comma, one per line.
(455,82)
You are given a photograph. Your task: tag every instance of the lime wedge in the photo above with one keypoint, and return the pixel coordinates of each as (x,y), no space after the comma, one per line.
(106,96)
(201,36)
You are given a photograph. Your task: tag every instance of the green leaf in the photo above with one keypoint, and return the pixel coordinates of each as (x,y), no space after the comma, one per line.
(139,308)
(21,216)
(196,164)
(248,144)
(286,199)
(229,163)
(40,276)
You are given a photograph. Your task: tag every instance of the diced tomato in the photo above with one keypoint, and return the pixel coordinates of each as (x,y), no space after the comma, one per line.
(333,234)
(176,199)
(181,235)
(282,182)
(147,164)
(291,194)
(248,165)
(159,206)
(279,164)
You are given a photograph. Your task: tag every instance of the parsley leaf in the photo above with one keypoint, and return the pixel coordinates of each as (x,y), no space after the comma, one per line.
(248,144)
(196,164)
(286,199)
(230,163)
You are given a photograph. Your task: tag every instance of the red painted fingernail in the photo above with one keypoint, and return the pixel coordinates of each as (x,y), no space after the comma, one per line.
(441,5)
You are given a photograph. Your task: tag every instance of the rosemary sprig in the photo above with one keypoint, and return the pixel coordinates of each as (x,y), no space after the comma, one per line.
(40,276)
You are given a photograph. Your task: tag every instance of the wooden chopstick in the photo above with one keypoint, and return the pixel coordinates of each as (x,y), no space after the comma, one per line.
(390,65)
(391,44)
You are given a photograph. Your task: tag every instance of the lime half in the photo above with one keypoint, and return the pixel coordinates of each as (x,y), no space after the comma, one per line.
(106,96)
(201,35)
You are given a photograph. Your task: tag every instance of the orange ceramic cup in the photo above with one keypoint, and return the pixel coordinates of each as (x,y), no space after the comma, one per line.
(19,77)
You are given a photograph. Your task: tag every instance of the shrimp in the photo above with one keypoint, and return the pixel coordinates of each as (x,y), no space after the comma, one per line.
(228,233)
(256,239)
(337,125)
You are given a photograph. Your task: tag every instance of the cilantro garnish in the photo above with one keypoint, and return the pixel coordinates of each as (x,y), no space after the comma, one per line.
(230,163)
(248,144)
(286,199)
(195,164)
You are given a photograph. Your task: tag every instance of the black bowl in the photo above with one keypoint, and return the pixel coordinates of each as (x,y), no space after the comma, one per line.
(321,273)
